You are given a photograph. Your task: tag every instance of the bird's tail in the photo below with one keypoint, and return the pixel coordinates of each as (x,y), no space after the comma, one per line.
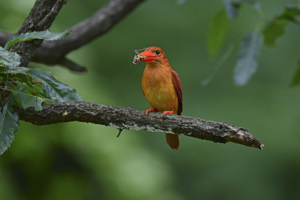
(172,140)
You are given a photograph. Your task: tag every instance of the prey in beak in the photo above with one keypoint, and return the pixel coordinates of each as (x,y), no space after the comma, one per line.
(144,56)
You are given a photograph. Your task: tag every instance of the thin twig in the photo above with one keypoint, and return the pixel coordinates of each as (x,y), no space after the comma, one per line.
(120,131)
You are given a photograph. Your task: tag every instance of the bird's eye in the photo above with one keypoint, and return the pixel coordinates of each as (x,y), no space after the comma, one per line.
(157,52)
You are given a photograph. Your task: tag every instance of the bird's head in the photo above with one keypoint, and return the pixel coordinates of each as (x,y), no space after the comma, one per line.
(154,55)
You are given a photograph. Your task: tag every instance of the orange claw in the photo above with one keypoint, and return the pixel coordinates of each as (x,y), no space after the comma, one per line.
(150,110)
(167,112)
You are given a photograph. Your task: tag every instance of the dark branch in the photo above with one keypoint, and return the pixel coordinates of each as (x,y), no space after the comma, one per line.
(130,119)
(84,32)
(4,37)
(40,18)
(102,21)
(72,65)
(50,17)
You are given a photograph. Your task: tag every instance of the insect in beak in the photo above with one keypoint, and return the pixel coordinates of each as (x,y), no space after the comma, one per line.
(138,57)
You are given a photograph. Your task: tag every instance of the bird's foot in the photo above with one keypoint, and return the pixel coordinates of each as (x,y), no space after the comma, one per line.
(150,110)
(167,112)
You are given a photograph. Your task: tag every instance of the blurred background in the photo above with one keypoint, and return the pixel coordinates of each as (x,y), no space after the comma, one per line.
(87,161)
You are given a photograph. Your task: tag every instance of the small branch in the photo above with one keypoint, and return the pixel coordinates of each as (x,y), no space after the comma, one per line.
(131,119)
(72,65)
(120,131)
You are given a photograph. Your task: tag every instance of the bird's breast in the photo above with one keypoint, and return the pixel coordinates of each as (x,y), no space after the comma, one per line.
(158,88)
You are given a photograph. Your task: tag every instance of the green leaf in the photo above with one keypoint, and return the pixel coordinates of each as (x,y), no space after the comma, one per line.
(2,79)
(26,99)
(3,69)
(9,59)
(296,78)
(9,124)
(217,32)
(232,7)
(24,79)
(16,70)
(13,70)
(247,62)
(44,35)
(276,27)
(37,89)
(53,88)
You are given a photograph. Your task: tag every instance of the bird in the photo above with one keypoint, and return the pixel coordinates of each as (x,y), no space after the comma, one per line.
(161,86)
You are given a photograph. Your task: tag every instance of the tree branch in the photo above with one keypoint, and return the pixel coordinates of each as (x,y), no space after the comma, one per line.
(54,52)
(72,65)
(40,18)
(131,119)
(4,37)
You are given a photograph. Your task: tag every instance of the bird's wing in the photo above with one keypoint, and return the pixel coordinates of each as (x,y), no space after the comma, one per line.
(178,88)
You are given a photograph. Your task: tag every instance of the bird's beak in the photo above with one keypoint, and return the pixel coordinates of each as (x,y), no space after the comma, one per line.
(147,56)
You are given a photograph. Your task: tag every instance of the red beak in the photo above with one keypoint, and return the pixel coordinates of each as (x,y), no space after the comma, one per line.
(148,56)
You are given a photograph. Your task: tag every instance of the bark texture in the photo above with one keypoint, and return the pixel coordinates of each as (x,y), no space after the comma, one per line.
(40,18)
(131,119)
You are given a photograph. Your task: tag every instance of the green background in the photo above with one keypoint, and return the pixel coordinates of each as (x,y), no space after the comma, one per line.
(87,161)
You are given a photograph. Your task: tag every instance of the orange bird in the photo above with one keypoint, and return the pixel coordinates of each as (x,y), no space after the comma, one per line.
(161,86)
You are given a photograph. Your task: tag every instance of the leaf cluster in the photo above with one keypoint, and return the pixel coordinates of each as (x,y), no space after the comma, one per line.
(25,87)
(265,32)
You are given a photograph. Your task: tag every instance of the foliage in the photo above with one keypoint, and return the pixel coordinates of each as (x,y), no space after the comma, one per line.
(247,61)
(26,87)
(9,59)
(9,124)
(43,35)
(251,43)
(275,28)
(232,7)
(217,32)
